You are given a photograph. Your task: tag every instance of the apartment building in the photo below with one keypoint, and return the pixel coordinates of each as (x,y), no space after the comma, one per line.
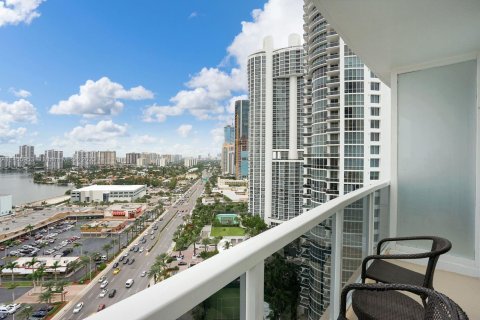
(53,160)
(275,82)
(344,105)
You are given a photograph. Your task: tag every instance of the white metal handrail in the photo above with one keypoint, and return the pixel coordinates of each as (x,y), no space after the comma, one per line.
(175,296)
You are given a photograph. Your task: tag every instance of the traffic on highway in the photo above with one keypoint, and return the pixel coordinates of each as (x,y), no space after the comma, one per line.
(128,273)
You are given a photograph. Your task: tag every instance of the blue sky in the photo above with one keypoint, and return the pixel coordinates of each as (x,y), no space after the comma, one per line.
(157,76)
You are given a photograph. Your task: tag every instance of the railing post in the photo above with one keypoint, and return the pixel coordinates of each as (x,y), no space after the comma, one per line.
(336,270)
(254,292)
(371,223)
(243,306)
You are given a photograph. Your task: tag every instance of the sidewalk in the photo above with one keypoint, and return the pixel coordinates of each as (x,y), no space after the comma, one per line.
(31,297)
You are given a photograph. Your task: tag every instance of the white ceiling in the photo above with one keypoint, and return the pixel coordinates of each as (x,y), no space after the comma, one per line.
(390,34)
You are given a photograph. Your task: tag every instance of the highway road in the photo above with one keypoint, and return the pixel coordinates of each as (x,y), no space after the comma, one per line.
(171,219)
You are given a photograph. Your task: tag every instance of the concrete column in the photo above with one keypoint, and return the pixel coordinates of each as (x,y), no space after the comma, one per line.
(268,47)
(292,119)
(254,292)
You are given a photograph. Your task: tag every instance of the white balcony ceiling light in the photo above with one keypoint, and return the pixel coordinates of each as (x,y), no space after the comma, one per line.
(392,34)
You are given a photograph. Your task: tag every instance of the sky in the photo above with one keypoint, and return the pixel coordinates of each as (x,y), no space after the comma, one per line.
(130,76)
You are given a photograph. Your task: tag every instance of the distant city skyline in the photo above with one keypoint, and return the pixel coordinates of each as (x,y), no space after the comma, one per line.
(121,87)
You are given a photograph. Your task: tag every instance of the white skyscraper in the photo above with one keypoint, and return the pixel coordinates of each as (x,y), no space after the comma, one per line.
(53,160)
(275,81)
(344,108)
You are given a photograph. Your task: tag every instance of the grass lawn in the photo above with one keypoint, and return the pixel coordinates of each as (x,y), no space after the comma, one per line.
(227,231)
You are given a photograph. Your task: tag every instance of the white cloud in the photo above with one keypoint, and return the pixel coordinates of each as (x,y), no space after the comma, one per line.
(217,135)
(99,98)
(9,135)
(17,111)
(192,15)
(17,11)
(20,111)
(104,130)
(20,93)
(184,130)
(278,18)
(145,139)
(209,92)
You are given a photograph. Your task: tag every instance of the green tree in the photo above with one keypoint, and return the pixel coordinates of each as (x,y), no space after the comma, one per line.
(29,229)
(205,242)
(107,247)
(56,264)
(78,245)
(282,287)
(11,265)
(45,297)
(32,264)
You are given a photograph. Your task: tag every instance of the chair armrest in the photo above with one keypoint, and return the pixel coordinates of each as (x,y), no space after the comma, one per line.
(422,255)
(379,245)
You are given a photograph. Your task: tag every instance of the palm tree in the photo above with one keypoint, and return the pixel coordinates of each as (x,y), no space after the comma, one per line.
(11,265)
(59,288)
(40,273)
(7,244)
(205,242)
(45,296)
(29,229)
(107,247)
(154,272)
(79,245)
(85,261)
(55,266)
(32,264)
(48,285)
(216,240)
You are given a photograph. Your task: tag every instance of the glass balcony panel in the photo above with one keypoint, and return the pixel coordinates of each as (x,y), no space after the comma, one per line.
(225,304)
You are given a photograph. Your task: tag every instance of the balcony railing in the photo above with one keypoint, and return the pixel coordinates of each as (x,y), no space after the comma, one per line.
(178,295)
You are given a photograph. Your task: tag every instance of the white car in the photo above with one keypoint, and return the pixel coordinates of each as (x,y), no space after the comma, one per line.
(144,273)
(103,293)
(141,250)
(78,307)
(104,284)
(102,279)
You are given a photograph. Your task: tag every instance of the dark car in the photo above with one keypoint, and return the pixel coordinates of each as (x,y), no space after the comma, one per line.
(121,258)
(136,249)
(126,261)
(132,248)
(182,263)
(112,293)
(67,251)
(46,307)
(40,314)
(131,261)
(3,315)
(115,264)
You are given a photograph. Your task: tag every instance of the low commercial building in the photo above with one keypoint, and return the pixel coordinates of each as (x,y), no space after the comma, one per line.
(235,190)
(125,210)
(24,267)
(108,193)
(103,227)
(5,204)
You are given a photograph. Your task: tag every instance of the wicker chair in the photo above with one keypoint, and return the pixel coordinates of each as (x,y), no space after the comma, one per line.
(386,272)
(375,301)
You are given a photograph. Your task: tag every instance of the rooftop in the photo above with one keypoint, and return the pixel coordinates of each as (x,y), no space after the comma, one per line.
(110,187)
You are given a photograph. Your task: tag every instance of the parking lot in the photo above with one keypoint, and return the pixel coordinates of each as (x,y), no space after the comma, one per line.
(60,239)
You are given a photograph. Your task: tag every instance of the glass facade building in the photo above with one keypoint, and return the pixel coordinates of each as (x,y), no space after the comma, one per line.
(344,103)
(241,138)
